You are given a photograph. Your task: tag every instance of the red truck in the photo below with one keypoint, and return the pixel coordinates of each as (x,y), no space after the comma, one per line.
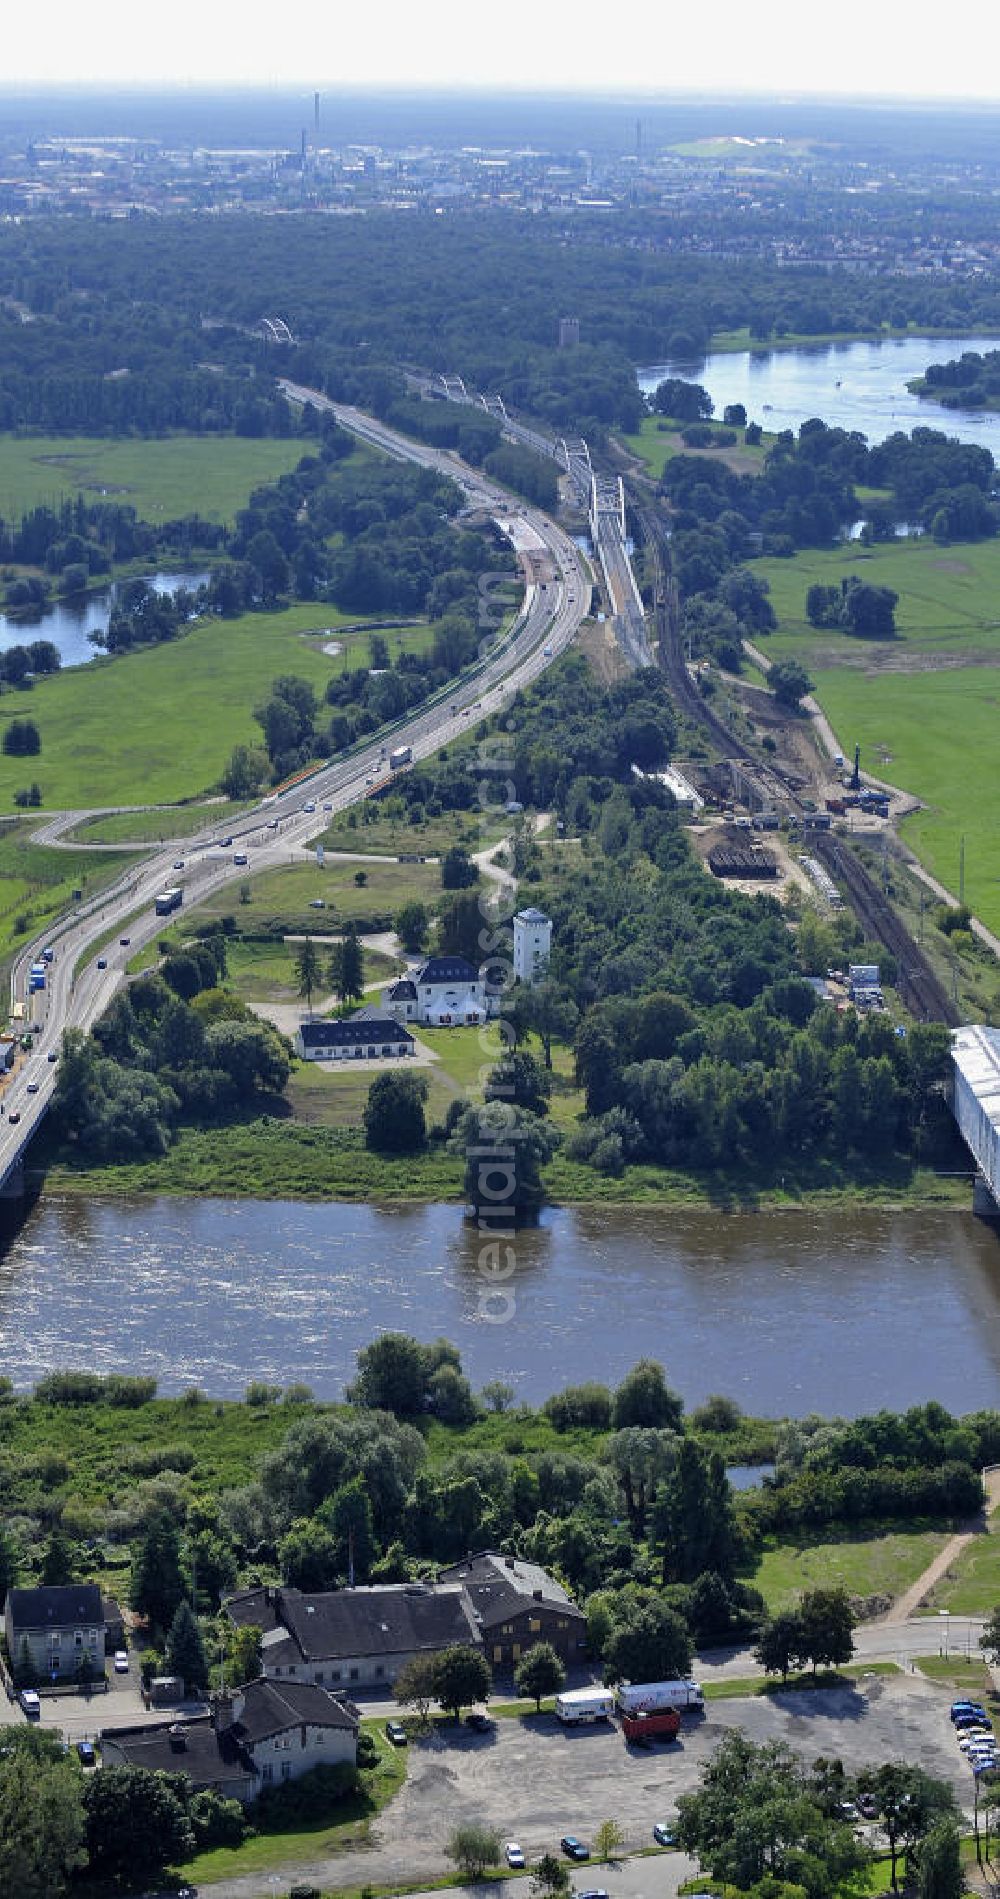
(651,1724)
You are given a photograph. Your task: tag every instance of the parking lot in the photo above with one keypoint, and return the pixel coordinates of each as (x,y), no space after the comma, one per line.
(535,1780)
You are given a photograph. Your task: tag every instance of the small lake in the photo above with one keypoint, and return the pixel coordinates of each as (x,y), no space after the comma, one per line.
(69,623)
(787,1313)
(848,385)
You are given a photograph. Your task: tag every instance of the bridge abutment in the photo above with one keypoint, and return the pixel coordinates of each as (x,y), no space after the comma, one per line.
(983,1204)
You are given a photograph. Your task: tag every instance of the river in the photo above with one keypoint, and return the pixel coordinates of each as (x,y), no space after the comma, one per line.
(788,1313)
(68,623)
(849,385)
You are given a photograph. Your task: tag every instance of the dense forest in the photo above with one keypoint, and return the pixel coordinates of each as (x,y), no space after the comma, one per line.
(118,341)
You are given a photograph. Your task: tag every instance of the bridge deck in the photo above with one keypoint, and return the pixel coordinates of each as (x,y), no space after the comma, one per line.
(975,1057)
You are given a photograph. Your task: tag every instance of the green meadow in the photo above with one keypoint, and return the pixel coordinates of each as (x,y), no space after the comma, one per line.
(924,706)
(158,725)
(164,477)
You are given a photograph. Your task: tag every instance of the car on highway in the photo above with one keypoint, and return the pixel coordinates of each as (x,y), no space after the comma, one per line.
(53,1055)
(32,1088)
(227,843)
(546,652)
(121,1661)
(307,808)
(574,1848)
(102,962)
(15,1117)
(87,1753)
(514,1855)
(178,863)
(396,1733)
(665,1833)
(30,1703)
(124,941)
(328,807)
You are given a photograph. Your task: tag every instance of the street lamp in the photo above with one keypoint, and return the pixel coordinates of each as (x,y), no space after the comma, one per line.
(945,1615)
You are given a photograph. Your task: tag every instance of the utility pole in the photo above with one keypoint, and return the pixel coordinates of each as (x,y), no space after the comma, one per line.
(961,869)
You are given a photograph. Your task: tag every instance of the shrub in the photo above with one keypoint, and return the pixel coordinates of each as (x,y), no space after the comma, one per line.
(314,1796)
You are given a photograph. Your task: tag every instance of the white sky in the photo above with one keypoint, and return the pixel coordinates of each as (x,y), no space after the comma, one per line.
(849,46)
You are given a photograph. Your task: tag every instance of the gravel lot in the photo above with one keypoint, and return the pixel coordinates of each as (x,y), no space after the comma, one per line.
(536,1780)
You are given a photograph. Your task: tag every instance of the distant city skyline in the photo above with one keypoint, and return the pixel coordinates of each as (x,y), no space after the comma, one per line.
(777,47)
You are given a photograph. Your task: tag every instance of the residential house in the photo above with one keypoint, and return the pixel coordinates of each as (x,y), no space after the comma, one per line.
(449,991)
(517,1604)
(255,1737)
(361,1037)
(55,1633)
(353,1638)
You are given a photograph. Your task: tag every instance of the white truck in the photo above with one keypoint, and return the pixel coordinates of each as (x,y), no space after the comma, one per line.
(402,755)
(585,1704)
(647,1696)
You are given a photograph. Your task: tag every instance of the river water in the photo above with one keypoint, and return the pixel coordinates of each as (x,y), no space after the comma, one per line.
(849,385)
(788,1313)
(69,623)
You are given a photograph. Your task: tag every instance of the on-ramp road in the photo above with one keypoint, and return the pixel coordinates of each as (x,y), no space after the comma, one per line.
(556,599)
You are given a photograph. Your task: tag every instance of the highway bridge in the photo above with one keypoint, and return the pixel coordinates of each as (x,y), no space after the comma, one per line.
(113,927)
(602,495)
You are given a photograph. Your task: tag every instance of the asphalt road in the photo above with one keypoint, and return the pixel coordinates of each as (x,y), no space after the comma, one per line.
(557,597)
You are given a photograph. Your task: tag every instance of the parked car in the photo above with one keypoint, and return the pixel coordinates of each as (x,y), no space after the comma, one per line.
(27,1697)
(594,1892)
(317,903)
(514,1855)
(396,1733)
(961,1709)
(87,1753)
(121,1661)
(665,1833)
(574,1848)
(480,1723)
(868,1806)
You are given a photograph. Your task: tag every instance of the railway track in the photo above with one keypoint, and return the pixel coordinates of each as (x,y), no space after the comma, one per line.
(921,989)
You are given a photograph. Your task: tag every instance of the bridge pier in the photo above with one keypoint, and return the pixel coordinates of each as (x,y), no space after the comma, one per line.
(12,1186)
(983,1204)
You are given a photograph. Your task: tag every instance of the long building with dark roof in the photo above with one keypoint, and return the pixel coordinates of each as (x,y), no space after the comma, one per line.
(353,1638)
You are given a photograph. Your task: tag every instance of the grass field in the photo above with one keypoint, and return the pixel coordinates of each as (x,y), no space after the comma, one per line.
(972,1584)
(923,707)
(375,829)
(37,882)
(881,1564)
(659,440)
(165,477)
(153,825)
(157,726)
(283,897)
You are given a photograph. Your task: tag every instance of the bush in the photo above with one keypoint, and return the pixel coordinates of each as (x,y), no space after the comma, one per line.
(588,1405)
(215,1821)
(717,1414)
(314,1796)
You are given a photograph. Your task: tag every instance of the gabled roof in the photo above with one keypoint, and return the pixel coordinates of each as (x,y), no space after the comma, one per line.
(191,1747)
(500,1586)
(405,990)
(447,969)
(339,1624)
(381,1028)
(51,1607)
(271,1706)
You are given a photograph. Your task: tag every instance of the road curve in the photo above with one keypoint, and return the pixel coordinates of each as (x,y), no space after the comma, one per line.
(556,600)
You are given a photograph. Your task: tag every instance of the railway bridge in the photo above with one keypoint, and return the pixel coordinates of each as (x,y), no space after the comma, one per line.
(975,1103)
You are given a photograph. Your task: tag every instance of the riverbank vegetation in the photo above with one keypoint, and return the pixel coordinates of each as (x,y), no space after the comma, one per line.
(969,381)
(618,1491)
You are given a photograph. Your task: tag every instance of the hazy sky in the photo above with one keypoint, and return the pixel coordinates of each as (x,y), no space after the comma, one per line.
(852,46)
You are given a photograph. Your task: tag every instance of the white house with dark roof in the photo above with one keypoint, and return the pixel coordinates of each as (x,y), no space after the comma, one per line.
(255,1737)
(445,992)
(347,1639)
(368,1035)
